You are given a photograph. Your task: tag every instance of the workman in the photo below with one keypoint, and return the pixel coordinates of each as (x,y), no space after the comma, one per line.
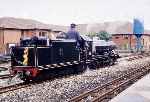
(73,34)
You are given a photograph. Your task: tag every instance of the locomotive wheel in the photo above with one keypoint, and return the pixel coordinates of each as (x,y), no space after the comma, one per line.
(91,66)
(94,65)
(79,68)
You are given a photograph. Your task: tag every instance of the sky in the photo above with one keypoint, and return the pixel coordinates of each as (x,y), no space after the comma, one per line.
(64,12)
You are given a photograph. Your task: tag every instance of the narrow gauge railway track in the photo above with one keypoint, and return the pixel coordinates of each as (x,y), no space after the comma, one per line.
(135,56)
(5,76)
(4,68)
(138,56)
(107,91)
(17,86)
(76,99)
(13,87)
(20,85)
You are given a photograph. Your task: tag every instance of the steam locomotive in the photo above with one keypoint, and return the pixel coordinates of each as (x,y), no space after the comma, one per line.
(37,55)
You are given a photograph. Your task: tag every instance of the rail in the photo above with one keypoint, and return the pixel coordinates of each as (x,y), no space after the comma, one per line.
(5,76)
(103,91)
(13,87)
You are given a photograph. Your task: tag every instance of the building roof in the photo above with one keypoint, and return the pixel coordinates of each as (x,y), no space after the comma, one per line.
(17,23)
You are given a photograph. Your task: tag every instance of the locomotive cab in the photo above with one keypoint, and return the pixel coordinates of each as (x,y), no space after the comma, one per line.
(35,54)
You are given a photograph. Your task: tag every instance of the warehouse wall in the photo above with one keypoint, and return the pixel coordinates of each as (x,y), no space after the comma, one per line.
(124,41)
(12,36)
(1,40)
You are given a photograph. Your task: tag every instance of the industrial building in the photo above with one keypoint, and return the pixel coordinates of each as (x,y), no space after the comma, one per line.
(128,41)
(12,29)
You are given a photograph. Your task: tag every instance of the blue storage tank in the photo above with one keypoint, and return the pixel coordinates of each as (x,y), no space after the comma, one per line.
(138,28)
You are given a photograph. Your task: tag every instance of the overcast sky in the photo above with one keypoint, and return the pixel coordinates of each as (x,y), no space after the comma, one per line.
(64,12)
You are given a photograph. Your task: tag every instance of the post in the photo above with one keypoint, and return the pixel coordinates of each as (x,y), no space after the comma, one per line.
(130,42)
(138,44)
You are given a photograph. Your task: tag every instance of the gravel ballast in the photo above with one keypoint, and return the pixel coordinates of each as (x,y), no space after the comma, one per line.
(63,89)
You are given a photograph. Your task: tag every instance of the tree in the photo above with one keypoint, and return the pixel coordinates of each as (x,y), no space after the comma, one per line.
(103,35)
(91,34)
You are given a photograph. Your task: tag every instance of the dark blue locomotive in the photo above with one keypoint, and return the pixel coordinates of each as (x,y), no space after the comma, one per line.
(35,55)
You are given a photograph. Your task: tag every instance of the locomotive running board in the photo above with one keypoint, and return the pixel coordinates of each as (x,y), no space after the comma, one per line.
(75,62)
(41,67)
(62,64)
(56,65)
(69,63)
(59,65)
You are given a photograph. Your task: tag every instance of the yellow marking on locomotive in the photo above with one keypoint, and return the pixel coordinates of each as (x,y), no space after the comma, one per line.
(25,56)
